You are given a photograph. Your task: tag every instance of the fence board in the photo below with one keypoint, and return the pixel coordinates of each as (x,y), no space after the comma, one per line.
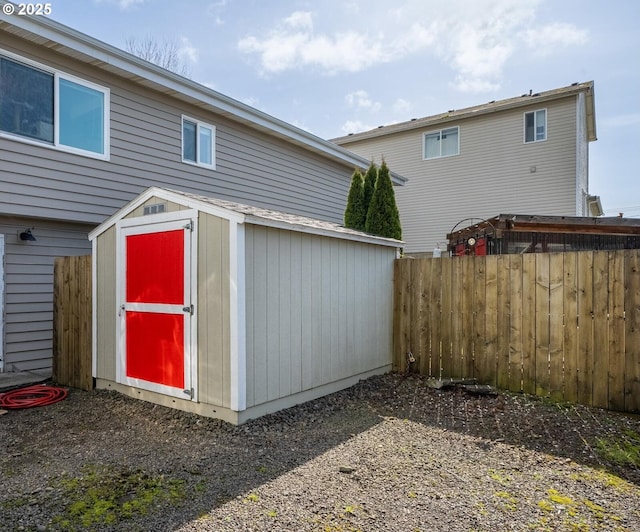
(435,309)
(529,324)
(446,341)
(516,324)
(632,334)
(570,297)
(565,325)
(616,330)
(503,315)
(542,325)
(466,317)
(556,326)
(585,328)
(600,329)
(401,313)
(72,322)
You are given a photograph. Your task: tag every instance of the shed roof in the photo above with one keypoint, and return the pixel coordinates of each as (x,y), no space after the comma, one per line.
(485,108)
(64,40)
(241,213)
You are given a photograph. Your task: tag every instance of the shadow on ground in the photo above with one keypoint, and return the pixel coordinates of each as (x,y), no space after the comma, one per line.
(46,450)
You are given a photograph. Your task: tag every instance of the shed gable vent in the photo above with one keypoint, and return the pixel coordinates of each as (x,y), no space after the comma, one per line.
(154,209)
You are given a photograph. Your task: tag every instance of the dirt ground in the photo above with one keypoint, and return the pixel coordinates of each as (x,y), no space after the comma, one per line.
(390,453)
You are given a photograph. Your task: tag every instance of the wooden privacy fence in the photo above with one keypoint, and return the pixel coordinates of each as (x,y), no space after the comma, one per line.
(72,322)
(563,325)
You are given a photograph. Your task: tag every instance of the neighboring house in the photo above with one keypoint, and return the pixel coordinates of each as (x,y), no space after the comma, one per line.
(523,154)
(524,233)
(85,128)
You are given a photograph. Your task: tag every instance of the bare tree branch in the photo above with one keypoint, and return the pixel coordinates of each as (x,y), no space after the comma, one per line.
(163,53)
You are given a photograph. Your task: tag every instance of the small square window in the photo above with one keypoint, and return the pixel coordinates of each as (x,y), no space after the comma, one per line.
(535,126)
(443,143)
(198,143)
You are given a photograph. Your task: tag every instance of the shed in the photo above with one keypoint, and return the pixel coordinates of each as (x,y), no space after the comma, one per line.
(233,311)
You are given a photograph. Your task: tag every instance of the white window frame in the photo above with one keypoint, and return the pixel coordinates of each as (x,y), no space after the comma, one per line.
(199,124)
(524,126)
(438,131)
(57,76)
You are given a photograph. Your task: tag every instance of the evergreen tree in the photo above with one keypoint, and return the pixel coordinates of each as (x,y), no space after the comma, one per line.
(383,217)
(370,179)
(355,214)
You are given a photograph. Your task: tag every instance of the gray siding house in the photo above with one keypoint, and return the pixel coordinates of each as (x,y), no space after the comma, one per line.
(85,128)
(524,154)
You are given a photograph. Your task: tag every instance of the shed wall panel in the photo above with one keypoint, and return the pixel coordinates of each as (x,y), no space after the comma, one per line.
(106,307)
(304,327)
(213,301)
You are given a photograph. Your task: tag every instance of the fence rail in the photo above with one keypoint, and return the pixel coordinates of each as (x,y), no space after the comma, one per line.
(72,322)
(562,325)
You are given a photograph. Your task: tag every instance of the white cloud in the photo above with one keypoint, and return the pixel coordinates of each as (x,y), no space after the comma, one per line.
(355,126)
(186,51)
(401,106)
(123,4)
(547,38)
(476,40)
(360,100)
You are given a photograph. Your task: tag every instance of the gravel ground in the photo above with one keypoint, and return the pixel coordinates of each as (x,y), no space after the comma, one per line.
(387,454)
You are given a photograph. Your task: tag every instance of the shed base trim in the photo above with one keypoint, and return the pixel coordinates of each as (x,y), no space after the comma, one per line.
(237,418)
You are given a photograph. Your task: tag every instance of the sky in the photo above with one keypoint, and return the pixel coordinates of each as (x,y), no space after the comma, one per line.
(334,67)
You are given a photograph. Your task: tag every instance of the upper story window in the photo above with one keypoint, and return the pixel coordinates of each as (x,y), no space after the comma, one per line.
(535,126)
(443,143)
(46,106)
(198,142)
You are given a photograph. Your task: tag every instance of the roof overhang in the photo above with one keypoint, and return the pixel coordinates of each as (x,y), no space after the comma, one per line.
(45,32)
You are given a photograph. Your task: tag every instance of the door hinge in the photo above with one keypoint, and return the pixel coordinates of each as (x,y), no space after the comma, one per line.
(189,393)
(189,226)
(189,309)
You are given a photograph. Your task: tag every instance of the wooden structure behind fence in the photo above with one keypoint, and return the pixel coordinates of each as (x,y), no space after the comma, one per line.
(72,322)
(563,325)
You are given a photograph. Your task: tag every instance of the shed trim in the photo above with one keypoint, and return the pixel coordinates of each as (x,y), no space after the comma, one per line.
(237,311)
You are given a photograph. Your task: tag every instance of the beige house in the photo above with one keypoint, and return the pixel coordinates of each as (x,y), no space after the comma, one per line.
(524,154)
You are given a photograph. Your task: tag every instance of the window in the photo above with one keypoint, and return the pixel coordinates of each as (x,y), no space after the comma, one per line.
(50,107)
(198,143)
(443,143)
(535,126)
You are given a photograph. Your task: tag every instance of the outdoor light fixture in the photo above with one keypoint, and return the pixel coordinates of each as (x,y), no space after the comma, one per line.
(27,235)
(471,241)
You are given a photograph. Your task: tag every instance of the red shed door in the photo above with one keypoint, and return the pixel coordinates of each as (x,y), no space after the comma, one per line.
(156,311)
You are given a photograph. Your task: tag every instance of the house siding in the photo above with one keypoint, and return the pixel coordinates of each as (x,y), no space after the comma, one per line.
(28,287)
(317,310)
(251,167)
(492,174)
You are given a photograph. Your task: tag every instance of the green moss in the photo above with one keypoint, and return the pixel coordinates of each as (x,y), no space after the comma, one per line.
(104,496)
(622,451)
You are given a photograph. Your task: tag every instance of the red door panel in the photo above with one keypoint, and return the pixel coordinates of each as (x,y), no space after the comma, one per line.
(155,268)
(155,348)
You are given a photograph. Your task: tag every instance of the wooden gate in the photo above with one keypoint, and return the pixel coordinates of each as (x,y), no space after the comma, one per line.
(72,322)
